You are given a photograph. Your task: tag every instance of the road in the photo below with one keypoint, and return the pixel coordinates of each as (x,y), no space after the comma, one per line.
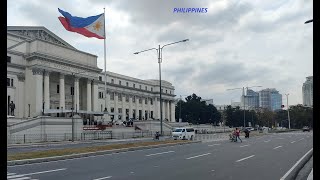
(261,157)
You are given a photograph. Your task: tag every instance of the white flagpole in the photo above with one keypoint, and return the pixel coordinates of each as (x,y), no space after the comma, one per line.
(105,62)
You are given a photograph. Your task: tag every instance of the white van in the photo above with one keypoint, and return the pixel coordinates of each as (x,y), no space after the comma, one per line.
(183,133)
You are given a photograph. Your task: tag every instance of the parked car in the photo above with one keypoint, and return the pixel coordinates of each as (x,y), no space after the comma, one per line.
(306,128)
(183,133)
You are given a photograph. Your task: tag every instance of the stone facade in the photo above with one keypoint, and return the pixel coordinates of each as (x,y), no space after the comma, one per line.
(47,75)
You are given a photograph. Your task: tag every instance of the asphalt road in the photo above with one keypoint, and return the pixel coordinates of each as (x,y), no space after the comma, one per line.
(262,158)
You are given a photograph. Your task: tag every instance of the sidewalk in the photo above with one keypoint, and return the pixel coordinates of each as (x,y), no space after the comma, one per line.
(310,177)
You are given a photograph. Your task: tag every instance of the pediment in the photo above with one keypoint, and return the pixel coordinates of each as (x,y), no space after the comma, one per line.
(38,32)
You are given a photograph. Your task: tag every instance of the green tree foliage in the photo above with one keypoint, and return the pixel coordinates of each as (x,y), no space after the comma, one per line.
(195,111)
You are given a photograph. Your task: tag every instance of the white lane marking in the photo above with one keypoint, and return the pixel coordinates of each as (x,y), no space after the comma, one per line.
(245,158)
(285,176)
(15,176)
(212,170)
(267,141)
(293,141)
(160,153)
(9,174)
(131,172)
(244,145)
(280,138)
(103,178)
(198,156)
(22,178)
(214,145)
(277,147)
(155,166)
(42,172)
(301,139)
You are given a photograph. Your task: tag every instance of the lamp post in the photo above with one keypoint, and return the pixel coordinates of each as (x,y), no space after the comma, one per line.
(159,53)
(288,110)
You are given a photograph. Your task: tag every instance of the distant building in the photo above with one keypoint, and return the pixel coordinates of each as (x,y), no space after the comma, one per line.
(307,91)
(221,107)
(236,104)
(270,99)
(251,100)
(208,101)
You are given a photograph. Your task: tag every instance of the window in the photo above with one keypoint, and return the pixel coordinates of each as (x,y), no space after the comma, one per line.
(112,81)
(140,86)
(8,59)
(134,85)
(112,96)
(58,88)
(146,88)
(140,100)
(72,90)
(119,82)
(11,82)
(133,99)
(8,81)
(166,91)
(119,97)
(151,89)
(100,78)
(151,101)
(127,84)
(100,95)
(146,101)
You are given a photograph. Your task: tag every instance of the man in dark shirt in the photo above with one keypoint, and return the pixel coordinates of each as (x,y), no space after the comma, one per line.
(12,106)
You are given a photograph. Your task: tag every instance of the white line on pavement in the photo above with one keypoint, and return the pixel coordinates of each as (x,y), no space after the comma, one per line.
(42,172)
(212,170)
(285,176)
(22,178)
(214,145)
(280,138)
(198,156)
(15,176)
(244,145)
(159,153)
(103,178)
(245,158)
(293,141)
(267,141)
(277,147)
(9,174)
(301,139)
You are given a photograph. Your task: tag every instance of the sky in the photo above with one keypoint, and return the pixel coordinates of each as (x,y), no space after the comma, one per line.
(237,43)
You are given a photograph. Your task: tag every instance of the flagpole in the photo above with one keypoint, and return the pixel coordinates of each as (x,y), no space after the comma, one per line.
(105,63)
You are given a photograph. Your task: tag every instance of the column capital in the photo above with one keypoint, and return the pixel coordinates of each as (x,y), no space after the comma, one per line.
(61,76)
(37,71)
(21,77)
(46,72)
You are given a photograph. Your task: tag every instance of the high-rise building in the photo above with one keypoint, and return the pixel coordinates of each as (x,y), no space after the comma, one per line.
(251,100)
(307,91)
(270,99)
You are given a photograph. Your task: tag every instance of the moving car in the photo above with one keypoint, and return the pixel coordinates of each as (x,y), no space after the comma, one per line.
(306,128)
(183,133)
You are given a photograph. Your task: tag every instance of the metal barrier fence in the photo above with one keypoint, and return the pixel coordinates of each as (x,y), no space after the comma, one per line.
(211,137)
(100,135)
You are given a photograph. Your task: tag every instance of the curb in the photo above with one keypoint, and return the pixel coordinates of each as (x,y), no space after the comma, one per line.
(73,156)
(298,166)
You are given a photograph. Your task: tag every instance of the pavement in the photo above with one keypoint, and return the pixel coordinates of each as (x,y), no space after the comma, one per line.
(261,157)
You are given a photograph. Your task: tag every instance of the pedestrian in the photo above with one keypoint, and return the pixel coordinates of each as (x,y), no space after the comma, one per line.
(238,134)
(12,106)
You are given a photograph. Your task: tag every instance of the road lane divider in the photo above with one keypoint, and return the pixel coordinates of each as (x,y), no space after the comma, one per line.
(107,177)
(245,158)
(244,145)
(277,147)
(198,156)
(160,153)
(267,141)
(301,139)
(42,172)
(293,141)
(214,144)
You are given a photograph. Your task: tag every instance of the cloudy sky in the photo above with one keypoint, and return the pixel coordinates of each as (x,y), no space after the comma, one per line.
(236,43)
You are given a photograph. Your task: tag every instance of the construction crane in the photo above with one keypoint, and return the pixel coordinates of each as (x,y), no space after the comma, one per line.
(244,106)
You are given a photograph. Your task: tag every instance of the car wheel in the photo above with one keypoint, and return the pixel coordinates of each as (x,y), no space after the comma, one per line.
(184,138)
(191,138)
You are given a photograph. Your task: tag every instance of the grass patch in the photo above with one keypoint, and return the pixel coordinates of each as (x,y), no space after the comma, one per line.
(69,151)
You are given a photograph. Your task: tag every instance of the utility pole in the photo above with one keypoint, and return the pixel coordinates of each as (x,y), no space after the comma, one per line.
(288,110)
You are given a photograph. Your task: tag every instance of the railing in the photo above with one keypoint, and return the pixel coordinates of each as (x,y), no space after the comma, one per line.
(86,136)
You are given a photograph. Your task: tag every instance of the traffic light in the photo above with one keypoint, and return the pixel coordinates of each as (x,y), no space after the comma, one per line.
(282,106)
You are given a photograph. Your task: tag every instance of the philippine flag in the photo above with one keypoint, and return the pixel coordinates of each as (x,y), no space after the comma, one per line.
(92,26)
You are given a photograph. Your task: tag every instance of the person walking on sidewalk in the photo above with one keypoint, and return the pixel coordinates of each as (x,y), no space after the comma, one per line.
(238,134)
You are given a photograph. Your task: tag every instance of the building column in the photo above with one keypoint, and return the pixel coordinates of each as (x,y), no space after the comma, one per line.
(21,97)
(157,108)
(94,96)
(143,109)
(107,117)
(89,95)
(46,90)
(62,103)
(116,117)
(38,92)
(137,108)
(130,107)
(163,109)
(168,111)
(149,109)
(173,111)
(123,118)
(76,103)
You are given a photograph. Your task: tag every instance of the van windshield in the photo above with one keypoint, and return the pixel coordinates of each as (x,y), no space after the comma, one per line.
(177,130)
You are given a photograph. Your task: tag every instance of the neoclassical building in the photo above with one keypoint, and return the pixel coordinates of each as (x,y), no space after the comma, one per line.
(46,75)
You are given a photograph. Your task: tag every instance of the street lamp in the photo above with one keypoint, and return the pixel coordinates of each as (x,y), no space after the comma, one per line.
(288,110)
(159,53)
(309,21)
